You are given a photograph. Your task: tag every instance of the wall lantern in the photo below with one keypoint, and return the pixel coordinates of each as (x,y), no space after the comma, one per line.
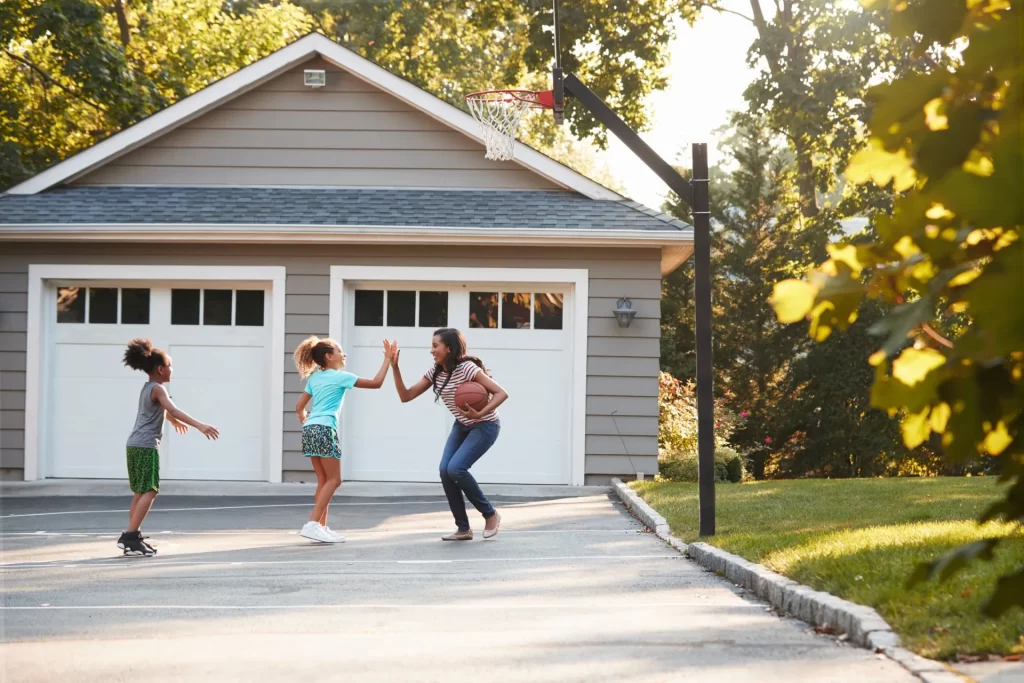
(624,312)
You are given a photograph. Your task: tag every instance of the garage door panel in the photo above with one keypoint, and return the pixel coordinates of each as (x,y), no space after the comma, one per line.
(389,440)
(222,386)
(86,442)
(533,443)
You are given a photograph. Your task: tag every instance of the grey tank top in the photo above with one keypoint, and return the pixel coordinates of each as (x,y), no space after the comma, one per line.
(149,423)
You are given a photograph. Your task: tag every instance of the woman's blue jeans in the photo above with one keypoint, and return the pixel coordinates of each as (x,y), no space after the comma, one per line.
(465,446)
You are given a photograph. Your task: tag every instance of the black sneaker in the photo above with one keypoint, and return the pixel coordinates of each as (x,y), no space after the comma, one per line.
(121,538)
(135,546)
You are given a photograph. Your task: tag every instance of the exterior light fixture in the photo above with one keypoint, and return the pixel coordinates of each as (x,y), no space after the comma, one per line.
(624,312)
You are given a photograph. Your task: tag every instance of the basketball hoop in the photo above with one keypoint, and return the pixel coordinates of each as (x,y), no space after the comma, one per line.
(499,113)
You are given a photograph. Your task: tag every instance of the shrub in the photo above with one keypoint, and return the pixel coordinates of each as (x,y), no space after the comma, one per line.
(682,465)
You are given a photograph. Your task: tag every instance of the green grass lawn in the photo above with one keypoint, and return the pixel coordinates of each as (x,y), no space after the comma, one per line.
(860,539)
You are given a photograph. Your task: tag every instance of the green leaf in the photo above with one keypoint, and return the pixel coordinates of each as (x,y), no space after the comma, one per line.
(953,561)
(1009,593)
(793,300)
(996,302)
(913,365)
(874,163)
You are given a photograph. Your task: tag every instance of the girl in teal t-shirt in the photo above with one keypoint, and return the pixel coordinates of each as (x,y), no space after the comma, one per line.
(320,362)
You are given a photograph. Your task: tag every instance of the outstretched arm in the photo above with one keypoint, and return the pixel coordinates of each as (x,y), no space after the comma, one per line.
(160,396)
(406,394)
(378,381)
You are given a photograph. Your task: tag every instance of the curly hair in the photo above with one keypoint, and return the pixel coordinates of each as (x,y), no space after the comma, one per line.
(311,355)
(140,355)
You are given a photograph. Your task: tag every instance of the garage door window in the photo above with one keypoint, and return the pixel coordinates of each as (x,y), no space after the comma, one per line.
(515,310)
(103,305)
(400,308)
(217,307)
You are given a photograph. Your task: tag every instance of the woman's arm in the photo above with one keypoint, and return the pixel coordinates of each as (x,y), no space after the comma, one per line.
(160,396)
(300,407)
(498,396)
(378,381)
(406,394)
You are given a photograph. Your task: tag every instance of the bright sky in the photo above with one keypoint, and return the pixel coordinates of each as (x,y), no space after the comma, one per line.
(707,76)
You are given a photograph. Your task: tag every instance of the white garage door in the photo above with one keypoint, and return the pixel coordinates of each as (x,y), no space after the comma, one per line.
(218,338)
(521,332)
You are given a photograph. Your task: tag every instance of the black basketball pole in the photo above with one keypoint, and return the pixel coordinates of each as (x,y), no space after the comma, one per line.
(695,193)
(702,302)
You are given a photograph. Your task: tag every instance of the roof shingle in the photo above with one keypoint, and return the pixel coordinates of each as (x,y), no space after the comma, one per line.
(542,209)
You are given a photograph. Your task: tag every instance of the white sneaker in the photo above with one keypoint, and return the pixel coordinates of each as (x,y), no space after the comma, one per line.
(314,532)
(338,538)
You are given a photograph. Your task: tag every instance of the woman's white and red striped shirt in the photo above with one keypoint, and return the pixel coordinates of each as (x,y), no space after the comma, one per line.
(466,371)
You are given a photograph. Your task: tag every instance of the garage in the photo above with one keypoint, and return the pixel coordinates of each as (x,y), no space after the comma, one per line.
(522,330)
(218,334)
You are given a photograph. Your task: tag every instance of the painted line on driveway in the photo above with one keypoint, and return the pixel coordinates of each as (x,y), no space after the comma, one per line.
(226,507)
(509,605)
(117,562)
(272,532)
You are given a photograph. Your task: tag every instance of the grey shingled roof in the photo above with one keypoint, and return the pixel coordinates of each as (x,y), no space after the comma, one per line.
(541,209)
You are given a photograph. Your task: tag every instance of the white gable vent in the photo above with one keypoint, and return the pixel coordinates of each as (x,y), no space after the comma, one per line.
(314,78)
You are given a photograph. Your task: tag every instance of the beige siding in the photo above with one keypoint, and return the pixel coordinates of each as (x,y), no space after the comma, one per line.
(622,364)
(347,134)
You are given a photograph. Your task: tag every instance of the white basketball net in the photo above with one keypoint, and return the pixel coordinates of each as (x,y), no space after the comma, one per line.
(499,113)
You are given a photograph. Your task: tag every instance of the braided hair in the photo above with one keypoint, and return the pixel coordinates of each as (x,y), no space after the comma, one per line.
(456,344)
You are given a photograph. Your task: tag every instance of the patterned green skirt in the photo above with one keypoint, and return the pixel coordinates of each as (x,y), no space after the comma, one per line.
(143,469)
(320,441)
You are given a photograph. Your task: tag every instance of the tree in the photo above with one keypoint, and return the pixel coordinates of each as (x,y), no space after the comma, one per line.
(759,237)
(816,59)
(948,144)
(453,47)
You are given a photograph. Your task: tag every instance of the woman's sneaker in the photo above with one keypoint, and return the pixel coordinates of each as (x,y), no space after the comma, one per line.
(314,532)
(338,538)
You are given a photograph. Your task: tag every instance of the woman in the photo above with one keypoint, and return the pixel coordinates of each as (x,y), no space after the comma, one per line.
(473,433)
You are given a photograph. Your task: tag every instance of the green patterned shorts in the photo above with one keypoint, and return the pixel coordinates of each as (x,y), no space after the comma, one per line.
(320,441)
(143,469)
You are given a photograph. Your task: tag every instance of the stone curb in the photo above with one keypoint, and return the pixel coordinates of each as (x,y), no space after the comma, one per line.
(862,625)
(644,512)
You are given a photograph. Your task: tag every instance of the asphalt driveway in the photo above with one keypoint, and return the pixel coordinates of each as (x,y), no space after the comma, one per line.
(572,589)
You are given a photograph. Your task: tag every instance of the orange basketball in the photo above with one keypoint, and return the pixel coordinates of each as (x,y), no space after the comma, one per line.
(472,395)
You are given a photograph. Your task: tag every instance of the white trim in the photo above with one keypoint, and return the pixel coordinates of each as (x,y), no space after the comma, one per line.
(39,274)
(270,66)
(579,278)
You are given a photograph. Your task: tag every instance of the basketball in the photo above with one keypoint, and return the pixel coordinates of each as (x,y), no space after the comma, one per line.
(471,395)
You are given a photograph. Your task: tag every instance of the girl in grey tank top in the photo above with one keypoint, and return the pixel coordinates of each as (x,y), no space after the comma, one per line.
(143,443)
(149,420)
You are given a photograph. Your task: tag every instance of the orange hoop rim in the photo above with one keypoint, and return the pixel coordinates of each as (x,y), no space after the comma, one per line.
(537,99)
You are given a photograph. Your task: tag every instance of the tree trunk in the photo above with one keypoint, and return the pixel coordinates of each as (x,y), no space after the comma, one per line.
(122,22)
(805,180)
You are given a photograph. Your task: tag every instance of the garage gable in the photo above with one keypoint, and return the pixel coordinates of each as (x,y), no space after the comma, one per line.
(348,133)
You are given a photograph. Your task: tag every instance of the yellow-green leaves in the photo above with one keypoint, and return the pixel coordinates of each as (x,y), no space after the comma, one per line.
(874,163)
(793,300)
(913,365)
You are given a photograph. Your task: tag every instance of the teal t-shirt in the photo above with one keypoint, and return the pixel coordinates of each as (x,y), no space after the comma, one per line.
(328,387)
